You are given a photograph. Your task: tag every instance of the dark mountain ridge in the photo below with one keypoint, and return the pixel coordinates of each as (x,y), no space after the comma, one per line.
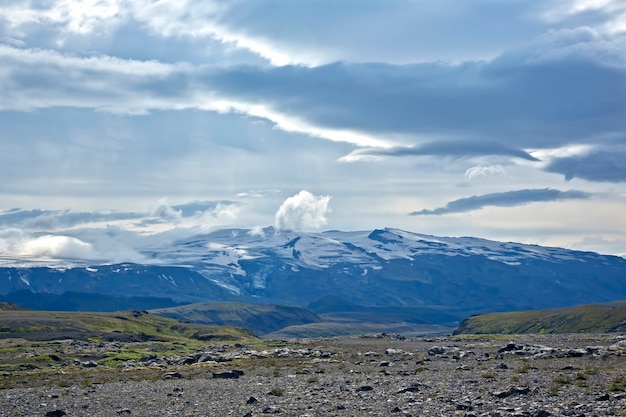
(433,279)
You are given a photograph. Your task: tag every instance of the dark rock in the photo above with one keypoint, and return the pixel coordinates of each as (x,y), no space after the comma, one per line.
(396,410)
(56,413)
(271,410)
(541,413)
(248,414)
(169,375)
(412,388)
(365,388)
(603,397)
(234,374)
(576,353)
(124,411)
(512,391)
(502,366)
(436,350)
(508,348)
(465,406)
(89,364)
(252,400)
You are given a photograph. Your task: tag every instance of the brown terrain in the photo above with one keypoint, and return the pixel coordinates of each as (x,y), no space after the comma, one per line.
(372,375)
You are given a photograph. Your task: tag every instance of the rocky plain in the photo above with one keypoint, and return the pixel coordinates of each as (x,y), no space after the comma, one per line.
(370,375)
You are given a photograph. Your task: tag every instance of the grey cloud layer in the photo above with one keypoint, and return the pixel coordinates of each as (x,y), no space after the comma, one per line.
(58,219)
(505,199)
(598,165)
(568,87)
(117,103)
(449,148)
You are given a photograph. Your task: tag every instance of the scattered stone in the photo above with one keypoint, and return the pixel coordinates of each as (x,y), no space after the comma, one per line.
(228,374)
(512,391)
(465,406)
(412,388)
(171,375)
(436,350)
(271,410)
(333,377)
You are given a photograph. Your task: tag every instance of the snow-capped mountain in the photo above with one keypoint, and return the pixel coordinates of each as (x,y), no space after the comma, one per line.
(386,267)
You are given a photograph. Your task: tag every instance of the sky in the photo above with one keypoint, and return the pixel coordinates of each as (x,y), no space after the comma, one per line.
(126,123)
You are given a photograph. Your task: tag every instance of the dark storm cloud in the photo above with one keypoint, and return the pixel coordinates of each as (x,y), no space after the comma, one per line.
(449,148)
(567,87)
(505,199)
(543,104)
(601,165)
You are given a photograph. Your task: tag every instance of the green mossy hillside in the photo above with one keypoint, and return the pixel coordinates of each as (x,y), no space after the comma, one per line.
(120,326)
(593,318)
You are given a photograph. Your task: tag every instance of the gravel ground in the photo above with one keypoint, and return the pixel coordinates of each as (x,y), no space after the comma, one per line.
(365,376)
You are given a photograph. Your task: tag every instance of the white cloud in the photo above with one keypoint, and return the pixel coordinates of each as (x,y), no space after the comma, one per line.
(165,211)
(484,171)
(58,247)
(302,211)
(257,231)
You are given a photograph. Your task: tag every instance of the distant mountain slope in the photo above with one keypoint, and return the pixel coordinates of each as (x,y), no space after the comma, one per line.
(77,301)
(11,307)
(386,268)
(259,319)
(595,318)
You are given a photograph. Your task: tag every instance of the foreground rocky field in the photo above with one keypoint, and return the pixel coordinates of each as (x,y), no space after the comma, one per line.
(377,375)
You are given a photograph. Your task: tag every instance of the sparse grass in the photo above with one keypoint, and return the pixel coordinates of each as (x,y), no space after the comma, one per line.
(562,380)
(277,392)
(526,368)
(488,375)
(553,390)
(617,384)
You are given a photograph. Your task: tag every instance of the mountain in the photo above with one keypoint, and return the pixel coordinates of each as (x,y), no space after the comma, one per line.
(594,318)
(440,278)
(76,301)
(259,319)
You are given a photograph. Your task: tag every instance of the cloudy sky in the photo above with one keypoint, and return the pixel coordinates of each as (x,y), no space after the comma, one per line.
(124,119)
